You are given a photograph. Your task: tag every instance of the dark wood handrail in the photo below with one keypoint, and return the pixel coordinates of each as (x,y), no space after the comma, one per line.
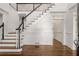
(32,10)
(22,23)
(2,26)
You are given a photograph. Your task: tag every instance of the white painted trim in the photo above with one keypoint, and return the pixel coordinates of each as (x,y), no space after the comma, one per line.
(64,33)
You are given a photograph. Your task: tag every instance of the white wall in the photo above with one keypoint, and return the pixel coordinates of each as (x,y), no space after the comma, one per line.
(10,17)
(60,7)
(41,32)
(70,26)
(68,30)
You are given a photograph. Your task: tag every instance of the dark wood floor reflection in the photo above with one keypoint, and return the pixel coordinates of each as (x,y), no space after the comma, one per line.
(46,50)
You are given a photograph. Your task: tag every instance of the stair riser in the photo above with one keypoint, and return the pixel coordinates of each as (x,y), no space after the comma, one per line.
(12,33)
(10,37)
(9,45)
(8,41)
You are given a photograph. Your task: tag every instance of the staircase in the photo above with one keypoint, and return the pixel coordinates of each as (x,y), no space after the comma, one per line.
(9,43)
(36,16)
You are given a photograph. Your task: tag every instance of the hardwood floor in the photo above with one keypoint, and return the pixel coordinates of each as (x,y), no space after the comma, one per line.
(37,51)
(44,50)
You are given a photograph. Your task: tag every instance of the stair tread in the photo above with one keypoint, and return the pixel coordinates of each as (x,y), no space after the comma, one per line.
(7,42)
(12,38)
(7,47)
(12,33)
(9,37)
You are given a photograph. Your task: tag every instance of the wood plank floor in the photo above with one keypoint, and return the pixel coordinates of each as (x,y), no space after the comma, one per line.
(44,50)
